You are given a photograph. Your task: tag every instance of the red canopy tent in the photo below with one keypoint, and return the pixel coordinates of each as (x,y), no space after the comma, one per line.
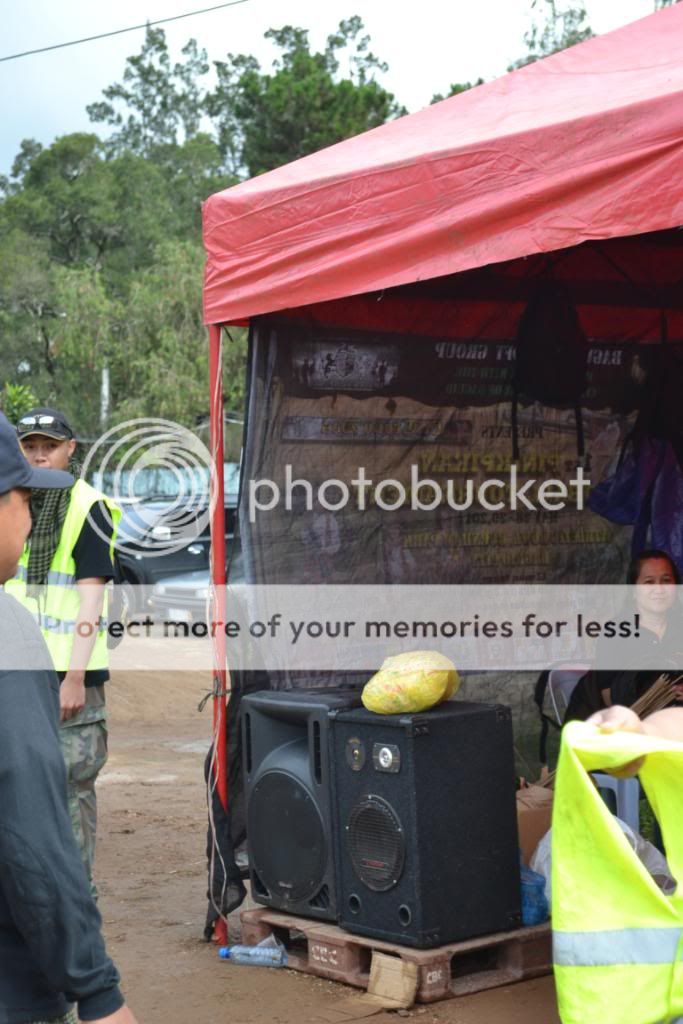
(584,148)
(585,144)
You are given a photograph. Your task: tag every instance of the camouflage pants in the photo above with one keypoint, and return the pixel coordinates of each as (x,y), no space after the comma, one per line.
(68,1018)
(83,740)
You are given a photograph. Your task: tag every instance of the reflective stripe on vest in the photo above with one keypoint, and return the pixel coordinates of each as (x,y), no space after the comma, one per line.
(57,608)
(617,946)
(52,580)
(60,579)
(54,625)
(57,579)
(617,939)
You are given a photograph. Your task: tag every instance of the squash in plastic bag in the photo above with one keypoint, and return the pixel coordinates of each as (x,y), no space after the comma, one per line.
(415,681)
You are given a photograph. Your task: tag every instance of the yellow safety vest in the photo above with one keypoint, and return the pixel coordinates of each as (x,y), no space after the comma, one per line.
(617,939)
(56,610)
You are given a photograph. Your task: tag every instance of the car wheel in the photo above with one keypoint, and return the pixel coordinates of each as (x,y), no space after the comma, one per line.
(124,609)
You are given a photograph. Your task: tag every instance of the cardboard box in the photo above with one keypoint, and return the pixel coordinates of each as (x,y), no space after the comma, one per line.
(392,986)
(534,813)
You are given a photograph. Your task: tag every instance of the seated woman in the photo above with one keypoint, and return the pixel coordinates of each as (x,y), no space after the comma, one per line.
(654,576)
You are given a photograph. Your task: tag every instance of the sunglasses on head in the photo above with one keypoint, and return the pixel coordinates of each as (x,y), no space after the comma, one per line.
(39,420)
(36,421)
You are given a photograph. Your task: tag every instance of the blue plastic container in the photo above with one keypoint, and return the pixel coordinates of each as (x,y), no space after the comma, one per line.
(534,903)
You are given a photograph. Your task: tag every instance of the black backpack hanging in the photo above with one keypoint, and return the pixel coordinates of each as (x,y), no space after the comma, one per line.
(550,365)
(539,700)
(660,416)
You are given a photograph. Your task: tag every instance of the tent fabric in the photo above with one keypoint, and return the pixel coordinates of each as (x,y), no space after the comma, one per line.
(624,289)
(586,144)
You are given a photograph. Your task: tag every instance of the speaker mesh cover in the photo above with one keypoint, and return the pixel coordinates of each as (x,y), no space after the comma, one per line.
(376,843)
(286,836)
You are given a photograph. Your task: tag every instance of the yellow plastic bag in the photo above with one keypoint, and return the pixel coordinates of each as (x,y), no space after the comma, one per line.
(410,682)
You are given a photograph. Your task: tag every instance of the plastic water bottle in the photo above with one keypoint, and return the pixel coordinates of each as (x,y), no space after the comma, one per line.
(257,956)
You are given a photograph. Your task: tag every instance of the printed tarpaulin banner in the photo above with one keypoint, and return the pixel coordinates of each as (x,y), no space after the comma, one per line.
(351,436)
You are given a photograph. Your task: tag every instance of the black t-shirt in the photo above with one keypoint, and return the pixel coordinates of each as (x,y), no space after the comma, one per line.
(92,558)
(626,686)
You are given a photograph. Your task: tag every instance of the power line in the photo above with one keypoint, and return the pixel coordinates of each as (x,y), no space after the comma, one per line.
(120,31)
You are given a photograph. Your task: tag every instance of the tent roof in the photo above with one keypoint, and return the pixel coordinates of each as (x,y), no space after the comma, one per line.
(585,144)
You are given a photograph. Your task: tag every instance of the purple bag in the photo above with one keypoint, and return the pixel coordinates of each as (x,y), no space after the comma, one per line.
(646,492)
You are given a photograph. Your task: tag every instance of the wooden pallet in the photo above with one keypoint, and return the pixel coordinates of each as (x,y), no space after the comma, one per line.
(457,969)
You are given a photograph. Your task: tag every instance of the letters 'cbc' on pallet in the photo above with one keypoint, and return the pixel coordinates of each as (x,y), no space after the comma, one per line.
(457,969)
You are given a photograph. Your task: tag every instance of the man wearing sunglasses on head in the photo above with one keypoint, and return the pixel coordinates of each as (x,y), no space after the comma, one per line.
(61,578)
(51,949)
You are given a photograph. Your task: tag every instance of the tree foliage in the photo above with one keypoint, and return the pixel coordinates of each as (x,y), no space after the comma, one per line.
(27,310)
(157,103)
(265,119)
(554,28)
(86,242)
(16,399)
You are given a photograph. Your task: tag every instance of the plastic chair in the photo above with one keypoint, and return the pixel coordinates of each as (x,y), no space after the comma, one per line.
(562,681)
(622,796)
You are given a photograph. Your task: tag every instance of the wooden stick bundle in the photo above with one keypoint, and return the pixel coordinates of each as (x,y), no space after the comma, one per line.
(658,696)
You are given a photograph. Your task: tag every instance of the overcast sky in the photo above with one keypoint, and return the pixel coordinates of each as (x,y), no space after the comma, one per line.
(427,43)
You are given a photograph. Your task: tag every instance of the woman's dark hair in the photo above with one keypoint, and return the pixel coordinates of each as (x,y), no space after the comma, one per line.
(644,556)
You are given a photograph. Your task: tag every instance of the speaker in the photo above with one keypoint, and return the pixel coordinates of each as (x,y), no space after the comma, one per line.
(289,808)
(427,847)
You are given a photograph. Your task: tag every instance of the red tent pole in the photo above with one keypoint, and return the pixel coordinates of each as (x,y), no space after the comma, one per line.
(220,724)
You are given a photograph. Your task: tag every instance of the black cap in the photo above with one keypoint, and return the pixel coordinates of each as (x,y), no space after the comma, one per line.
(15,470)
(45,421)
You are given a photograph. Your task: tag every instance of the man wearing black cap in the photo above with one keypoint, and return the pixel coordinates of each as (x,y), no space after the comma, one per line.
(61,578)
(51,948)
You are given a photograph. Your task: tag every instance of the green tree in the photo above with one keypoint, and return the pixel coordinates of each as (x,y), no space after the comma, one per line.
(264,120)
(28,151)
(557,29)
(57,326)
(160,364)
(101,267)
(111,213)
(84,340)
(64,194)
(191,172)
(28,310)
(157,101)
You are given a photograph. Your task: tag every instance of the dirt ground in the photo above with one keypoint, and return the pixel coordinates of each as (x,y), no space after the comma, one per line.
(151,875)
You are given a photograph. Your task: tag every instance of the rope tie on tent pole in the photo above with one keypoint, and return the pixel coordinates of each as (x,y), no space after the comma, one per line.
(216,691)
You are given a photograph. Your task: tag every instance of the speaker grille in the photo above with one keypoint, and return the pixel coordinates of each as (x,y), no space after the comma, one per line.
(286,837)
(376,843)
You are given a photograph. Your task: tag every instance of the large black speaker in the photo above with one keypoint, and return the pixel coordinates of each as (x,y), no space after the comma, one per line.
(427,847)
(288,798)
